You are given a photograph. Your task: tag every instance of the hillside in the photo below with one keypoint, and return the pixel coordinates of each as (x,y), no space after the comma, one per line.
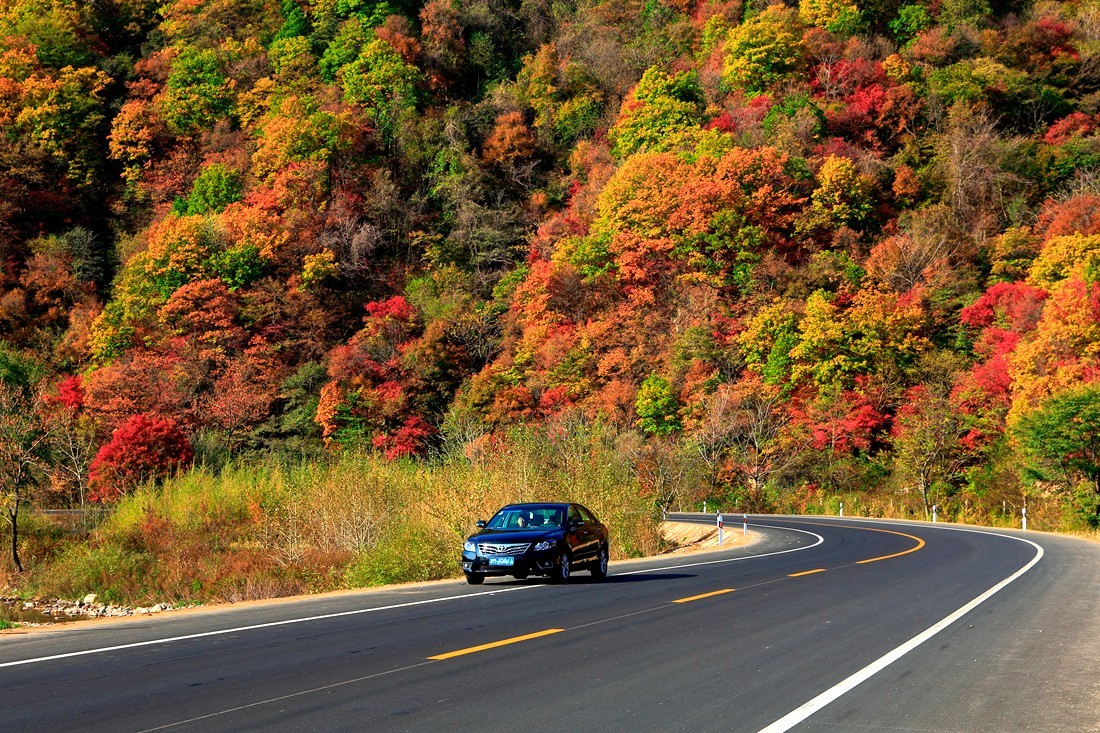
(775,257)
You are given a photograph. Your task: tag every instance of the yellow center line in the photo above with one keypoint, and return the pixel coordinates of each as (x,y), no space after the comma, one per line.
(920,544)
(495,644)
(806,572)
(689,599)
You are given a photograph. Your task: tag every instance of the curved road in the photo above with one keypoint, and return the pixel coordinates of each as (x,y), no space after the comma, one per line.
(824,624)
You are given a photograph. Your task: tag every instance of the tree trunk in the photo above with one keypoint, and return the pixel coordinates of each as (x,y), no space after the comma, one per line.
(922,483)
(13,522)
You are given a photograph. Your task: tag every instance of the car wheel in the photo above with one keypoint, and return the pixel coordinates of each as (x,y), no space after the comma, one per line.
(599,566)
(560,573)
(475,579)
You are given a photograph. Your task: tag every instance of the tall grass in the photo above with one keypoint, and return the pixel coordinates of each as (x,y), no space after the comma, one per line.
(273,526)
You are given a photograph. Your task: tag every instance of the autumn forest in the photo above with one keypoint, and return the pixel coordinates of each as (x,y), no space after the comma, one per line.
(292,291)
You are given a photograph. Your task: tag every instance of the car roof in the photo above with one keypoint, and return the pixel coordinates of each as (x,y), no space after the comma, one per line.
(537,505)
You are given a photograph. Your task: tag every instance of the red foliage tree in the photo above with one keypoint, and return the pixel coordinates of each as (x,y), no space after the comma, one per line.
(407,441)
(1078,214)
(144,447)
(1015,306)
(70,392)
(1076,124)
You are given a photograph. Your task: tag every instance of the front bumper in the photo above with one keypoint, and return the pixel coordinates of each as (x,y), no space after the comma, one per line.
(530,563)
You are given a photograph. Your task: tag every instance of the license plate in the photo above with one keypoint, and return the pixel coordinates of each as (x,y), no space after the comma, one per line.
(505,561)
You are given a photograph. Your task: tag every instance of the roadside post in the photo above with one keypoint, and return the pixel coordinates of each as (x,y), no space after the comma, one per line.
(933,514)
(745,528)
(719,527)
(1024,514)
(842,509)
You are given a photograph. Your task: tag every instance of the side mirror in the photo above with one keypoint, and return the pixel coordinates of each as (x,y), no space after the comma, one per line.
(480,523)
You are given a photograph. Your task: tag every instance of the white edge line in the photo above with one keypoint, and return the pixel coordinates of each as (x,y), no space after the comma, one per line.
(358,611)
(820,539)
(252,627)
(807,709)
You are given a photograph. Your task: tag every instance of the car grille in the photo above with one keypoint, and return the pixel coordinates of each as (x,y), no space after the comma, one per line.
(518,549)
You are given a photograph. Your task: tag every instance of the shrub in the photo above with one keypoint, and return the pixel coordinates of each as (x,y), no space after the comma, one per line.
(409,554)
(142,448)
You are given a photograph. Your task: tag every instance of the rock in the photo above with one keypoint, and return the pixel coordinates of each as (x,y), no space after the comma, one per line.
(90,598)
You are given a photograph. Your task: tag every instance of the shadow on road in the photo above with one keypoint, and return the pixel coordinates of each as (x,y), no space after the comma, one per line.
(589,580)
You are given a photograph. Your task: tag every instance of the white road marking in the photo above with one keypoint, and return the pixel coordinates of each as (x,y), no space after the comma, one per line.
(820,539)
(251,627)
(288,696)
(807,709)
(359,611)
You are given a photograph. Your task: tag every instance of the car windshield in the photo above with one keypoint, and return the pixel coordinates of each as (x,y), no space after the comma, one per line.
(527,518)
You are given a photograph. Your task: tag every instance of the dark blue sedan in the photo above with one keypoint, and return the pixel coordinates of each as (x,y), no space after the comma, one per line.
(547,539)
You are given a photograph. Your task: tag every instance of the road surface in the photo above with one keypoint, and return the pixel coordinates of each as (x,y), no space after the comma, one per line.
(824,624)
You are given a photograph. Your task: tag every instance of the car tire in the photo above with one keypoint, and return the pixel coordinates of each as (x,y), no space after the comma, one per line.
(520,576)
(475,579)
(599,565)
(560,573)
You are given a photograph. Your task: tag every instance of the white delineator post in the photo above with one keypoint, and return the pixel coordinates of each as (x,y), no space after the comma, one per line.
(842,509)
(745,529)
(719,527)
(1024,514)
(933,513)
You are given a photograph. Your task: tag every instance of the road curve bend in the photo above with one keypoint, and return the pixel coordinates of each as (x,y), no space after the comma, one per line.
(823,624)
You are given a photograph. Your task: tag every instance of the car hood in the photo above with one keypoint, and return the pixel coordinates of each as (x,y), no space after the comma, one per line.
(509,536)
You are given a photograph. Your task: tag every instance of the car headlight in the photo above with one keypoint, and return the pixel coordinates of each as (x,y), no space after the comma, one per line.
(469,546)
(545,545)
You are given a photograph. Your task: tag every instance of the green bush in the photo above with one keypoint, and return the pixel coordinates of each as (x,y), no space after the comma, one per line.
(114,573)
(410,554)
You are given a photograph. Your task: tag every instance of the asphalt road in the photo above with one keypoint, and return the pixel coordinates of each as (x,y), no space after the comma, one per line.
(822,625)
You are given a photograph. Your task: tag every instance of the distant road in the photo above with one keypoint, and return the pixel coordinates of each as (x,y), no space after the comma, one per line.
(825,624)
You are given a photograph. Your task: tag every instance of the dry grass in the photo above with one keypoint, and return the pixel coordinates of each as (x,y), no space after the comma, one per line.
(272,528)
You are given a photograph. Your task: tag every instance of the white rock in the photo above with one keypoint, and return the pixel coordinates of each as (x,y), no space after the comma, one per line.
(90,598)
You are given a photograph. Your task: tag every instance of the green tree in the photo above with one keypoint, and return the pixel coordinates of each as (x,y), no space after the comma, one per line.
(658,108)
(295,21)
(215,188)
(345,48)
(197,92)
(65,116)
(911,20)
(764,50)
(382,83)
(657,407)
(1063,435)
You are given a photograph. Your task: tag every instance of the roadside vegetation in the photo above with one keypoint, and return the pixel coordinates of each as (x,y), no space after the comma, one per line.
(272,526)
(265,528)
(292,291)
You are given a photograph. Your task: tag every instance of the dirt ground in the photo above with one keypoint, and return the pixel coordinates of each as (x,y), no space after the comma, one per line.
(685,537)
